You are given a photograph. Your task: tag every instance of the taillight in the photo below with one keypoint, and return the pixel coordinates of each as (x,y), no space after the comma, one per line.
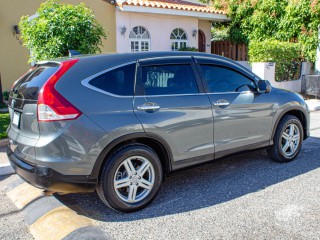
(52,106)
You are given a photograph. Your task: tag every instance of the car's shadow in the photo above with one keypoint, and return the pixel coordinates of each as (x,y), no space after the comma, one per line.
(207,185)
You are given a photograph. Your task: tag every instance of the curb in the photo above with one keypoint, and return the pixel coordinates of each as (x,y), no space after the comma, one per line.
(48,218)
(313,105)
(6,169)
(4,142)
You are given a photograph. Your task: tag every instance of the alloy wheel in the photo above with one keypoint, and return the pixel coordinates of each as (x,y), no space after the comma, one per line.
(290,140)
(134,179)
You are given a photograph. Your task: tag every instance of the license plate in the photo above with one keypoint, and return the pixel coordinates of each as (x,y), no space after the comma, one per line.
(16,118)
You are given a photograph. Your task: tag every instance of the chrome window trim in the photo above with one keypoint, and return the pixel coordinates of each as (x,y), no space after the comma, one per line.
(171,95)
(85,82)
(243,92)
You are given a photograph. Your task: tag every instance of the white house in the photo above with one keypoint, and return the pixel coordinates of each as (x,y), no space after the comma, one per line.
(164,25)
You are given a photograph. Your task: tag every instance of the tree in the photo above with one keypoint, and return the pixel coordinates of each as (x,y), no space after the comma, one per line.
(283,20)
(59,28)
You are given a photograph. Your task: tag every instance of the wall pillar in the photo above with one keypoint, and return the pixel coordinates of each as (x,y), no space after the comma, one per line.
(265,70)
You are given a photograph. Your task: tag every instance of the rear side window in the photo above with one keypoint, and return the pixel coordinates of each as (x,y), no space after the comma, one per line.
(169,79)
(29,85)
(222,79)
(118,81)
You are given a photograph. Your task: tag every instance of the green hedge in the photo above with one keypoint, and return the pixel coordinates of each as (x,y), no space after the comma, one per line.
(286,55)
(4,123)
(5,95)
(188,49)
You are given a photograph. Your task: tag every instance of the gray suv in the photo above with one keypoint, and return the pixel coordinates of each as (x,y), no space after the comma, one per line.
(120,123)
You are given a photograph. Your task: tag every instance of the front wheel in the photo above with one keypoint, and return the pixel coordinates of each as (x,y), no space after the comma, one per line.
(130,179)
(287,139)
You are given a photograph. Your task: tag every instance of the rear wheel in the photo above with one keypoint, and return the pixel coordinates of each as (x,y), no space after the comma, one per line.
(287,139)
(130,179)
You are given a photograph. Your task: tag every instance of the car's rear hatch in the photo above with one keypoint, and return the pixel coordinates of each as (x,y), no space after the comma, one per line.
(24,128)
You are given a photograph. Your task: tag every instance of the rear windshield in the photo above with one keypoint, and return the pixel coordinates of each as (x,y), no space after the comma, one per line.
(29,85)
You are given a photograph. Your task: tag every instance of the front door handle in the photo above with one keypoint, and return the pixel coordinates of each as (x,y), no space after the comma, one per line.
(221,103)
(149,107)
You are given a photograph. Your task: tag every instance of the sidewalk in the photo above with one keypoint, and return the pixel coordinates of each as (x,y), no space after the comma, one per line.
(5,167)
(313,104)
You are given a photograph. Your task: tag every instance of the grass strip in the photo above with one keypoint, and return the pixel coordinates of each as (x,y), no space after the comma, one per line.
(4,123)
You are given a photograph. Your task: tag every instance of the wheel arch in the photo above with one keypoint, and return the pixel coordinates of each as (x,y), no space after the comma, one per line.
(294,112)
(155,142)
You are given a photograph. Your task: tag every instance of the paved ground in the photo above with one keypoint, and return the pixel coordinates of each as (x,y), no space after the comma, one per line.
(245,197)
(12,224)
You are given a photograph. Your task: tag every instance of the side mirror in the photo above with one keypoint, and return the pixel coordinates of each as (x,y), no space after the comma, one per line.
(264,86)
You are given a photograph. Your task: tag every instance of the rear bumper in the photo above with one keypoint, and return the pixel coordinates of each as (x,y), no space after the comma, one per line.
(48,179)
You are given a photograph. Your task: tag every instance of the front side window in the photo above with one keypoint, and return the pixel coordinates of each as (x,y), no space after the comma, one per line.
(222,79)
(139,39)
(118,81)
(178,39)
(169,79)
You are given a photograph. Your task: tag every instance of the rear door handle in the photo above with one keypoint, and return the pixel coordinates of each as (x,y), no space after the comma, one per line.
(221,103)
(149,107)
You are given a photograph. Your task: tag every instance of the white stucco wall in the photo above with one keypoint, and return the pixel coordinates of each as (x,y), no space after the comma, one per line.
(246,64)
(267,72)
(160,27)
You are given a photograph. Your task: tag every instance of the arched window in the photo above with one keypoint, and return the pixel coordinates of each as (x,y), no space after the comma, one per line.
(139,39)
(178,39)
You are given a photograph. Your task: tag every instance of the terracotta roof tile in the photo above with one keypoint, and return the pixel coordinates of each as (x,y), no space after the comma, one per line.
(173,4)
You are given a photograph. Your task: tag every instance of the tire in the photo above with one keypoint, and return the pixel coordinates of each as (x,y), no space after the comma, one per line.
(287,140)
(125,186)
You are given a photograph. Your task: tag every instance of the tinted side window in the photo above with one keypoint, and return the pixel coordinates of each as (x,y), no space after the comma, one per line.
(118,81)
(221,79)
(169,79)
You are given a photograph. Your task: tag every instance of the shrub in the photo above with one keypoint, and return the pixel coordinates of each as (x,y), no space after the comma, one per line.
(5,95)
(189,49)
(4,123)
(286,55)
(60,27)
(220,32)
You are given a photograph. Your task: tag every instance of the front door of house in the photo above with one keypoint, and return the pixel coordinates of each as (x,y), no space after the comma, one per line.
(201,42)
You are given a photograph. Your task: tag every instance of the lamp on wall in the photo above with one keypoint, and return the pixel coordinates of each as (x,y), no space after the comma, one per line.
(194,32)
(123,30)
(16,29)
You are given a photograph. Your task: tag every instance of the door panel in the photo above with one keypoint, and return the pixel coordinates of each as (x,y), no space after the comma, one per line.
(184,122)
(245,121)
(170,102)
(242,116)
